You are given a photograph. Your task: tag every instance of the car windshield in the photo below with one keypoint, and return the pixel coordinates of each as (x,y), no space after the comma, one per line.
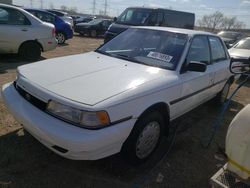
(95,21)
(145,46)
(134,16)
(243,44)
(229,35)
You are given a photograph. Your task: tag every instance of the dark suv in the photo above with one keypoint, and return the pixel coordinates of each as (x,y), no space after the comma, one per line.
(141,16)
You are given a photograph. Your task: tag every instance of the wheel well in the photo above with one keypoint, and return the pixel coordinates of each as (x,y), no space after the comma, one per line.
(35,41)
(161,107)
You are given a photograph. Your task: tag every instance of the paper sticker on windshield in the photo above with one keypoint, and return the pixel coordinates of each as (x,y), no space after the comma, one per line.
(160,56)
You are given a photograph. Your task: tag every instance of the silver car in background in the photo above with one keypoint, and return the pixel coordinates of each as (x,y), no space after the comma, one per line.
(22,33)
(241,50)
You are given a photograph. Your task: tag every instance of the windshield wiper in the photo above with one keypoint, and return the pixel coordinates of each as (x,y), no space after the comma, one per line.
(125,57)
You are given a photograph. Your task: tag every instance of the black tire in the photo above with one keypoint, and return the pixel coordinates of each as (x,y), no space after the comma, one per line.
(61,38)
(221,97)
(93,33)
(30,51)
(130,147)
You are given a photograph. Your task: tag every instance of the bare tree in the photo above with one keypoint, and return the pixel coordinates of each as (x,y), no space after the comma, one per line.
(212,22)
(217,21)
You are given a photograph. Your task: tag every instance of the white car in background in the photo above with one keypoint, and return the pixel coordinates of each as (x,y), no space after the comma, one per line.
(21,32)
(122,96)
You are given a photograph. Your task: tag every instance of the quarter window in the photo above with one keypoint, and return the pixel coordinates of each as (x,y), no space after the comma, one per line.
(11,16)
(217,49)
(199,50)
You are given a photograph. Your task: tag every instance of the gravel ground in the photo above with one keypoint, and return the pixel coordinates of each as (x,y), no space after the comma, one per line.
(24,162)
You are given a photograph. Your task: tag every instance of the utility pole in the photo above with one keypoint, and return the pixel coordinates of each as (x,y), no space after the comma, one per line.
(41,2)
(31,3)
(94,7)
(105,7)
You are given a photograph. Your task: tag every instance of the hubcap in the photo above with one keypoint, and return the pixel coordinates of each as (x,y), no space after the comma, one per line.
(60,38)
(224,93)
(147,140)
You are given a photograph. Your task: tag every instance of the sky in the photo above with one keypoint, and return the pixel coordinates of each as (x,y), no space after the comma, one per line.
(239,8)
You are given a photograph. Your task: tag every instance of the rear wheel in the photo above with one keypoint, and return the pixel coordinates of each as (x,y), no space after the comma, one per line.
(144,138)
(30,51)
(93,33)
(60,38)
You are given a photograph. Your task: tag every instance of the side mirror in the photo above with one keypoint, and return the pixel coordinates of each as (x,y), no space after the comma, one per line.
(115,19)
(197,66)
(240,66)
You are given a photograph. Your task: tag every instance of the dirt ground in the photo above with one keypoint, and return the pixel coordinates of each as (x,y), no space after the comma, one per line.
(25,163)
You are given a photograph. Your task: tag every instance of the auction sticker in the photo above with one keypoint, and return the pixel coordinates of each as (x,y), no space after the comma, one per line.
(160,56)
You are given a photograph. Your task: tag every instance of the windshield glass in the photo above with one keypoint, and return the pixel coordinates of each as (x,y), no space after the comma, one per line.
(95,21)
(134,16)
(229,35)
(145,46)
(243,44)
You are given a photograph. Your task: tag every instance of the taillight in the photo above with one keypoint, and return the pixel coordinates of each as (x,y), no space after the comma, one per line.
(53,32)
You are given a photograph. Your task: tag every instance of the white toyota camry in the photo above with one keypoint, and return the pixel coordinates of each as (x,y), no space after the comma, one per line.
(121,97)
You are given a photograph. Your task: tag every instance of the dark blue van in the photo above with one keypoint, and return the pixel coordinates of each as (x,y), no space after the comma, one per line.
(64,30)
(141,16)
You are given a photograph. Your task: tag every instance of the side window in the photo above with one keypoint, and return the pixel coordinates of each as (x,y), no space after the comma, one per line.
(45,17)
(199,50)
(217,49)
(3,16)
(11,16)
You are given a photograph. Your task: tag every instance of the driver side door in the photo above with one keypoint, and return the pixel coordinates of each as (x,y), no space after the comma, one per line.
(196,86)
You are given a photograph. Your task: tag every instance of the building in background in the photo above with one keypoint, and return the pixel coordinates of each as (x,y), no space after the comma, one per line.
(6,2)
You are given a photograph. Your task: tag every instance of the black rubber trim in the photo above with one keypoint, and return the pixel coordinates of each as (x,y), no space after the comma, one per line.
(194,93)
(60,149)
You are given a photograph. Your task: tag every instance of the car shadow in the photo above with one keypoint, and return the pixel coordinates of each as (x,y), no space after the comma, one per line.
(12,61)
(61,45)
(27,163)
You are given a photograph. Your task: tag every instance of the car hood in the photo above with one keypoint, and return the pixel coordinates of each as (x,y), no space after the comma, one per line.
(89,78)
(118,28)
(239,53)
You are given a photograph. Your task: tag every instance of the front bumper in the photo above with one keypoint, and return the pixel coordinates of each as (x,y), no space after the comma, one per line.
(78,143)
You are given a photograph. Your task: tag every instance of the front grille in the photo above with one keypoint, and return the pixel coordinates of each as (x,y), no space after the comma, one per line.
(30,98)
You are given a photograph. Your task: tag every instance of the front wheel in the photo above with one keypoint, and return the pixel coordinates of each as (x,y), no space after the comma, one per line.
(144,138)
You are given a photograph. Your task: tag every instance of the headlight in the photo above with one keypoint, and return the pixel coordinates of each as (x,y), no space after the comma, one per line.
(78,117)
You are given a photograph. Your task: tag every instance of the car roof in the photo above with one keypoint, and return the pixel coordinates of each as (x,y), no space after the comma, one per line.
(230,32)
(176,30)
(41,10)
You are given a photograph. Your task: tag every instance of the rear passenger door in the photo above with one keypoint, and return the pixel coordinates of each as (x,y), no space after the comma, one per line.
(220,62)
(14,29)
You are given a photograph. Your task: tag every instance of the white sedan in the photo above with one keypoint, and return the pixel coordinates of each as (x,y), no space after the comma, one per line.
(122,96)
(21,32)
